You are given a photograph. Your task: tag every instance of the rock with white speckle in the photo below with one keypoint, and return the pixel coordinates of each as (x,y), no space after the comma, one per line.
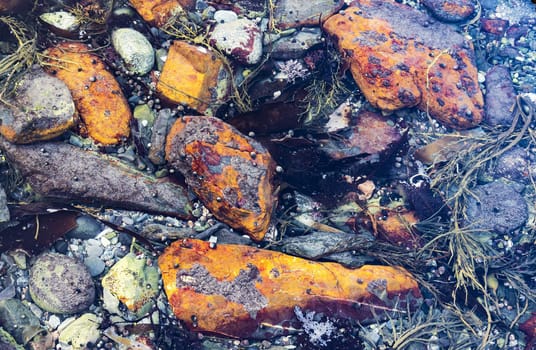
(241,39)
(134,49)
(61,22)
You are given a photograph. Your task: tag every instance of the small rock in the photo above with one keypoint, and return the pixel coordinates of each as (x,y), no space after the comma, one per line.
(134,49)
(225,16)
(494,26)
(296,45)
(93,248)
(164,121)
(62,23)
(451,10)
(18,320)
(195,77)
(495,206)
(133,282)
(86,228)
(53,322)
(158,12)
(229,172)
(81,332)
(144,115)
(61,284)
(41,109)
(500,97)
(94,265)
(4,210)
(241,39)
(296,13)
(513,165)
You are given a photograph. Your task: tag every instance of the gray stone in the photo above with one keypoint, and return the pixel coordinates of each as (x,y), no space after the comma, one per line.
(94,248)
(4,210)
(61,284)
(81,332)
(296,45)
(296,13)
(496,207)
(162,124)
(513,165)
(95,265)
(18,320)
(134,49)
(86,228)
(500,97)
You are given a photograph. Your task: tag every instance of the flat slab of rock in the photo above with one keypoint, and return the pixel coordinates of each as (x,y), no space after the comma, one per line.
(194,77)
(401,57)
(42,108)
(244,292)
(296,13)
(66,173)
(97,95)
(229,172)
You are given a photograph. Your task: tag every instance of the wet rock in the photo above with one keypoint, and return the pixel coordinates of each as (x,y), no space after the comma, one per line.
(229,172)
(514,165)
(401,57)
(18,320)
(494,25)
(293,13)
(497,207)
(396,227)
(133,282)
(242,291)
(15,6)
(296,45)
(97,95)
(500,97)
(66,173)
(62,23)
(451,10)
(194,77)
(240,39)
(61,284)
(40,109)
(159,12)
(134,49)
(81,333)
(225,16)
(4,210)
(86,228)
(249,8)
(162,124)
(94,265)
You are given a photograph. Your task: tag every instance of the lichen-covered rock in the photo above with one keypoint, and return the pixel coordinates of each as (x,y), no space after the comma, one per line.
(195,77)
(296,13)
(40,109)
(241,39)
(132,282)
(62,23)
(451,10)
(229,172)
(66,173)
(61,284)
(134,49)
(97,95)
(400,58)
(81,332)
(500,97)
(243,291)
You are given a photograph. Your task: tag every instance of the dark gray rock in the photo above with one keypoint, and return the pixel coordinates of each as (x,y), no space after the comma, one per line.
(296,13)
(18,320)
(296,45)
(513,165)
(4,210)
(61,284)
(496,207)
(163,122)
(66,173)
(500,97)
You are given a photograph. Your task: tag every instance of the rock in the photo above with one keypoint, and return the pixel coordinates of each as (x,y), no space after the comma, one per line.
(401,57)
(240,39)
(497,207)
(293,13)
(81,333)
(296,45)
(4,210)
(397,228)
(162,125)
(7,342)
(62,23)
(67,173)
(134,49)
(133,282)
(225,16)
(40,109)
(514,165)
(97,95)
(61,284)
(95,265)
(451,10)
(195,77)
(15,6)
(229,172)
(159,12)
(246,292)
(86,228)
(18,320)
(500,97)
(249,8)
(144,115)
(495,26)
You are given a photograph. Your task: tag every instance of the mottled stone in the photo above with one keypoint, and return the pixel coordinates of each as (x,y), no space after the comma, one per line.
(162,124)
(495,26)
(134,49)
(61,22)
(240,39)
(500,97)
(40,109)
(401,57)
(81,333)
(296,13)
(61,284)
(451,10)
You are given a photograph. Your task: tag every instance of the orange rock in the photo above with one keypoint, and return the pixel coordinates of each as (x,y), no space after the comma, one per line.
(158,12)
(97,95)
(396,227)
(401,57)
(229,172)
(193,76)
(242,291)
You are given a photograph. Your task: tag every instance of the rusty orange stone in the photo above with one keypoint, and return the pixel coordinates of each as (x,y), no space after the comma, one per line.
(408,60)
(97,95)
(243,291)
(229,172)
(158,12)
(193,76)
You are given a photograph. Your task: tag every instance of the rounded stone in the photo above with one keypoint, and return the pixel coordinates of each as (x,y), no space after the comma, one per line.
(60,284)
(134,49)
